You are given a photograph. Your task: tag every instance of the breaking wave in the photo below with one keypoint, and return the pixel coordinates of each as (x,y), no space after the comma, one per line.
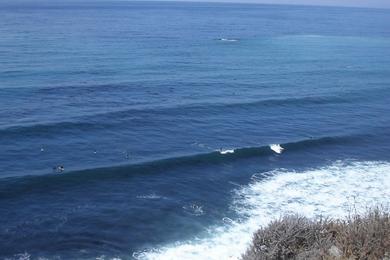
(327,191)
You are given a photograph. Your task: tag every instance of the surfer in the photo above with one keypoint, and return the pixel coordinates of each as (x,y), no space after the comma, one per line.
(59,168)
(127,155)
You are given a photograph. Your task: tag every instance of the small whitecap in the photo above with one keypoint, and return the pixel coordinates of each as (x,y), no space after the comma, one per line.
(23,256)
(226,151)
(228,40)
(152,196)
(228,221)
(277,148)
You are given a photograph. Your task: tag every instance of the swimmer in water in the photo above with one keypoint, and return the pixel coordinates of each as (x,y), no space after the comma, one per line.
(59,168)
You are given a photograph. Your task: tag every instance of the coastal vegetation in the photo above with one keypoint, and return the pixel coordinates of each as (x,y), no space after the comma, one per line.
(359,236)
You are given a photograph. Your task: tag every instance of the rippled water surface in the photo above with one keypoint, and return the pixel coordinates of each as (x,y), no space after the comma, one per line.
(162,115)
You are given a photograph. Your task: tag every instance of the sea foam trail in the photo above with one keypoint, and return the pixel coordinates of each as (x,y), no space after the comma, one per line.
(328,191)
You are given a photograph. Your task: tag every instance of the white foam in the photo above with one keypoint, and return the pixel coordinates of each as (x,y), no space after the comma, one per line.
(226,151)
(152,196)
(228,40)
(276,148)
(103,257)
(327,191)
(21,256)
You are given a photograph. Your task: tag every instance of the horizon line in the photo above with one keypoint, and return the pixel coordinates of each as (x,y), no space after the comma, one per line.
(249,2)
(254,3)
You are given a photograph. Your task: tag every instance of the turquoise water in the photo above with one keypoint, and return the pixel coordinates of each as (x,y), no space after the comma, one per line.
(136,99)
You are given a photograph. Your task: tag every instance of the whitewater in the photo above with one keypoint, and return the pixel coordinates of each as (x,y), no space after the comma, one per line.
(334,191)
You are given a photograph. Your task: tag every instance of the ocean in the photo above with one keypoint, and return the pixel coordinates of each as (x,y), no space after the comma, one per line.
(142,130)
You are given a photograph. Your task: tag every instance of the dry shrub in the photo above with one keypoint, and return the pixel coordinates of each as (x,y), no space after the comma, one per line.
(295,237)
(364,237)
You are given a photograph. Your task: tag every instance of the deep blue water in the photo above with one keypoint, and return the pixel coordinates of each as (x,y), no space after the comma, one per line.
(134,99)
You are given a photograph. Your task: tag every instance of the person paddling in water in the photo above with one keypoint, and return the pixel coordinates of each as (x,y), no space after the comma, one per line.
(59,169)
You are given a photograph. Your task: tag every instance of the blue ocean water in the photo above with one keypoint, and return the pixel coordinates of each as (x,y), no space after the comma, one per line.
(135,100)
